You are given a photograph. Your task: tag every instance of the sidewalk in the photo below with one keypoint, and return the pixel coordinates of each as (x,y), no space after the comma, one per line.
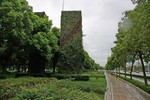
(120,90)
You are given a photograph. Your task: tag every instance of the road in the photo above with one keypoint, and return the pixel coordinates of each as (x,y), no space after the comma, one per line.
(137,73)
(138,79)
(140,73)
(120,90)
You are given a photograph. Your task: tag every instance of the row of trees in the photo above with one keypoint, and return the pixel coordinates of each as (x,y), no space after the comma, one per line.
(133,39)
(27,39)
(89,63)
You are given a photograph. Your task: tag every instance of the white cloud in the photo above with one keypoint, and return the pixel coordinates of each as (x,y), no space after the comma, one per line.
(100,21)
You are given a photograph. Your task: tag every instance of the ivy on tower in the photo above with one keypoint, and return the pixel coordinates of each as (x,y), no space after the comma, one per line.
(71,58)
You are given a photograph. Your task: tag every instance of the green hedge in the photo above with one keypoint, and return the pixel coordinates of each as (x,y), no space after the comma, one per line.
(2,77)
(17,75)
(81,78)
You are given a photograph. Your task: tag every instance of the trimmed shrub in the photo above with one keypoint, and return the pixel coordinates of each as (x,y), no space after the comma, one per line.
(17,75)
(48,74)
(37,75)
(81,78)
(60,76)
(2,77)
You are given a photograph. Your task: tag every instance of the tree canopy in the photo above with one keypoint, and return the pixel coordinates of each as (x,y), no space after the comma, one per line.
(29,41)
(133,37)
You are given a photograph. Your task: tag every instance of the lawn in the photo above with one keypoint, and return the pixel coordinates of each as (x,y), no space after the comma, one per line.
(29,88)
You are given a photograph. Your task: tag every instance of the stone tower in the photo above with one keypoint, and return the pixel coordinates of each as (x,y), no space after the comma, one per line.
(71,57)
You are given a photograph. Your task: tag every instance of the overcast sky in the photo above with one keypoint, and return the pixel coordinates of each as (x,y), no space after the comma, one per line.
(100,21)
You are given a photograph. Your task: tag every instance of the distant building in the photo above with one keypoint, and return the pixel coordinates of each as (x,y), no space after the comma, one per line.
(41,14)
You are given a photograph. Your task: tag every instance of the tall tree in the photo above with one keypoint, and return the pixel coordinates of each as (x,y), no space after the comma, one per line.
(25,37)
(137,38)
(12,31)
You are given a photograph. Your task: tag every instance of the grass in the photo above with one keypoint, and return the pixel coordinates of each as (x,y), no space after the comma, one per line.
(94,73)
(29,88)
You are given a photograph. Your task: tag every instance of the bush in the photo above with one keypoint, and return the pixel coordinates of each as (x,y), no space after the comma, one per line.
(12,86)
(48,74)
(53,92)
(86,86)
(52,89)
(2,77)
(37,75)
(17,75)
(73,77)
(61,76)
(81,78)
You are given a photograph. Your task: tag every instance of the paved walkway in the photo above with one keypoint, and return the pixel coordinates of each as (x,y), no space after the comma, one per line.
(120,90)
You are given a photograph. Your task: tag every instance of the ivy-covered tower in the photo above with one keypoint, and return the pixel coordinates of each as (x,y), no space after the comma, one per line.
(71,48)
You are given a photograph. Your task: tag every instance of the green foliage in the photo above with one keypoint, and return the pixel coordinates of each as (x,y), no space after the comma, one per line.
(25,36)
(52,93)
(28,40)
(50,88)
(2,77)
(71,53)
(132,38)
(96,74)
(12,32)
(112,62)
(81,78)
(89,63)
(56,31)
(10,87)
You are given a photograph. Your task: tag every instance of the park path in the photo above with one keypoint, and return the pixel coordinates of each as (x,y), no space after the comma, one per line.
(121,90)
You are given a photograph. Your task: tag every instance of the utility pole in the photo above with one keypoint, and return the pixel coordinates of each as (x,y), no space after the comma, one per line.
(63,5)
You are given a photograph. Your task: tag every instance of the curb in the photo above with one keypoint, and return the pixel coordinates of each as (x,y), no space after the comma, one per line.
(108,88)
(105,97)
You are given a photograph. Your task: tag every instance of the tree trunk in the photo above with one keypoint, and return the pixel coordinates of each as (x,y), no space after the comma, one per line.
(143,68)
(36,63)
(116,71)
(125,70)
(131,70)
(55,61)
(119,70)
